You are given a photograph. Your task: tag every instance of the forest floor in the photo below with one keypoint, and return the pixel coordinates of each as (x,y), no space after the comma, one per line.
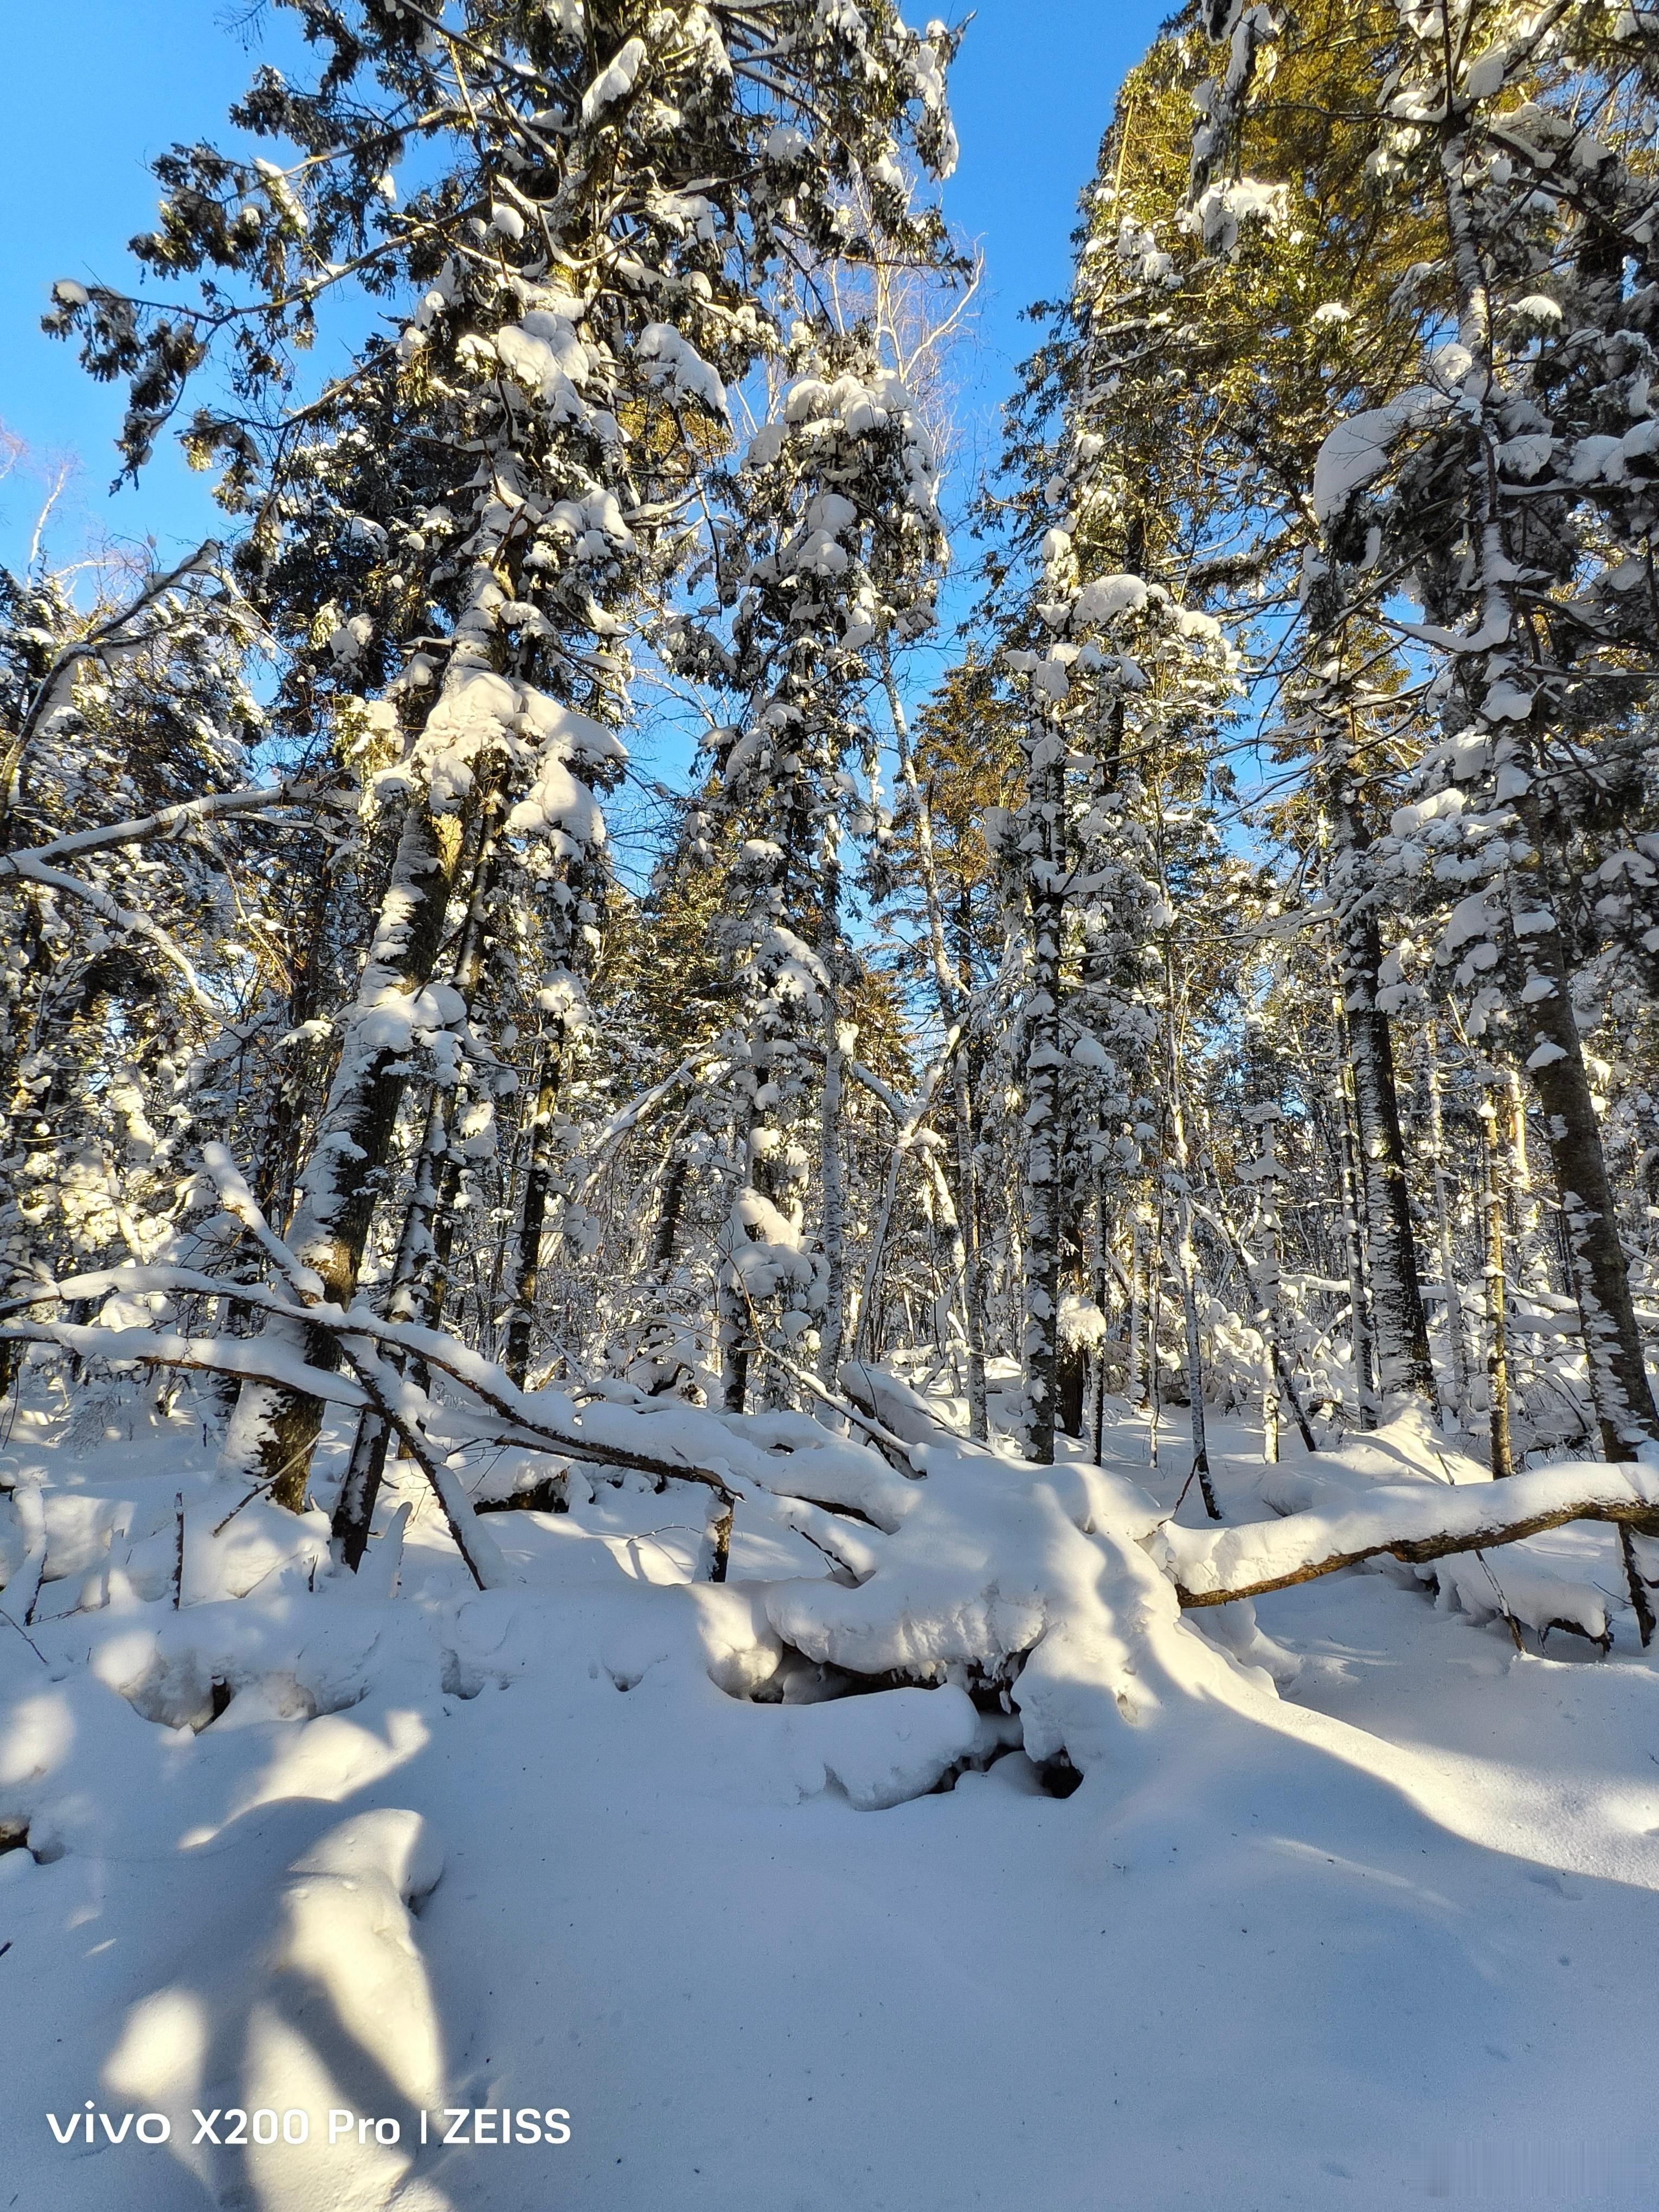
(1384,1936)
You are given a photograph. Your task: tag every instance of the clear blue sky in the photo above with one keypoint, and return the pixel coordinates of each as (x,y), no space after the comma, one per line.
(93,87)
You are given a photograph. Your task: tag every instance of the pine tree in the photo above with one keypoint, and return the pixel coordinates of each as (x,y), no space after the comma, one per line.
(460,525)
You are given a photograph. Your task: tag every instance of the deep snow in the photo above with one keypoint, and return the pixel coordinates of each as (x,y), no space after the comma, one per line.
(1387,1937)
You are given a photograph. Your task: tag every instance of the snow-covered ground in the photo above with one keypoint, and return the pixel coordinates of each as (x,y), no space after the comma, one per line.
(1383,1936)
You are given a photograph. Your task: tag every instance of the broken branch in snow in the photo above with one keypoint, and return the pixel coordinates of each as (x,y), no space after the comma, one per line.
(252,1359)
(892,1447)
(484,1560)
(517,1418)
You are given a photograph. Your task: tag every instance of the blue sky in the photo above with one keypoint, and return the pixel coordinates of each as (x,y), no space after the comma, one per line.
(94,87)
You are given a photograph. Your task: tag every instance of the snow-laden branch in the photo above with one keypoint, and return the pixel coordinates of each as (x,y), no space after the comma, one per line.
(167,821)
(696,1067)
(1413,1523)
(667,1442)
(103,639)
(884,1092)
(239,1201)
(34,864)
(29,869)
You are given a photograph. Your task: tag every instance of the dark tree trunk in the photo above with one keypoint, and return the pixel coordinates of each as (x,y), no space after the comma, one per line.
(668,1217)
(1070,1374)
(1349,1165)
(1601,1275)
(1046,753)
(532,1214)
(1399,1324)
(1497,1365)
(973,1292)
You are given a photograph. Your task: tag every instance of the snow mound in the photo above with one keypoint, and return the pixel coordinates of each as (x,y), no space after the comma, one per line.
(882,1750)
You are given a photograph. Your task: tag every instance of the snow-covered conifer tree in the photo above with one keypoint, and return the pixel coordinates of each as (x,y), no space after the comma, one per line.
(460,525)
(827,558)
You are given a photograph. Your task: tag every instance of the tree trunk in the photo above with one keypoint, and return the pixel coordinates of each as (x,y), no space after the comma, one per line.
(1186,1254)
(1457,1344)
(973,1293)
(951,989)
(1353,1201)
(354,1510)
(1188,1266)
(1415,1522)
(419,1272)
(1097,1364)
(532,1210)
(668,1217)
(1140,1391)
(1155,1321)
(273,1431)
(1542,998)
(1045,873)
(1401,1332)
(731,1318)
(1267,1278)
(838,1042)
(950,1223)
(1498,1371)
(1555,1060)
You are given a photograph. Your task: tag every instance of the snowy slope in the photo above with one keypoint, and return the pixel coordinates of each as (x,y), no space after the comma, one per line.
(1377,1941)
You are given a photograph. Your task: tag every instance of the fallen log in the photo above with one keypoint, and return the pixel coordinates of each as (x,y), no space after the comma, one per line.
(1415,1524)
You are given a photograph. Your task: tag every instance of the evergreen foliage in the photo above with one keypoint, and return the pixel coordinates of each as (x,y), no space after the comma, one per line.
(1232,985)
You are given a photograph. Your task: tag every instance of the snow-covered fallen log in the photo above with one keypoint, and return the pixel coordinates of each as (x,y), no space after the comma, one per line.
(792,1457)
(321,1981)
(1415,1524)
(1534,1591)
